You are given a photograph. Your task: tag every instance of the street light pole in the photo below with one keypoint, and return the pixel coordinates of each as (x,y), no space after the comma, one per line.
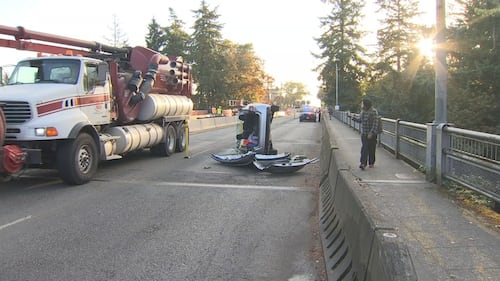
(337,107)
(440,64)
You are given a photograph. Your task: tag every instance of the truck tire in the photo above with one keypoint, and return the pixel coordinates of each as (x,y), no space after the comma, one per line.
(170,140)
(77,160)
(167,147)
(181,138)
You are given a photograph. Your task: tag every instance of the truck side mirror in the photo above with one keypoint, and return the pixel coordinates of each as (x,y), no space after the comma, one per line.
(102,73)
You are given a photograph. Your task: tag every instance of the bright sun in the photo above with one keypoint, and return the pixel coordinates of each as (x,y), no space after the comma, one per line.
(426,47)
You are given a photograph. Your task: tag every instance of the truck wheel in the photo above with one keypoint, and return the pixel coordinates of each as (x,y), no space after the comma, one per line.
(181,138)
(170,140)
(77,159)
(166,148)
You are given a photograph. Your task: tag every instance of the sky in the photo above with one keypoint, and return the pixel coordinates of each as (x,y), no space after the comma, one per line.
(282,31)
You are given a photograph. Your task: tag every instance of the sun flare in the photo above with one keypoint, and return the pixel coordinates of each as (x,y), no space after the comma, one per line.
(426,48)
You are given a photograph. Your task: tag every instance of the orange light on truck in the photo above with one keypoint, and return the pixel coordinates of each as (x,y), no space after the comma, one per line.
(46,132)
(51,132)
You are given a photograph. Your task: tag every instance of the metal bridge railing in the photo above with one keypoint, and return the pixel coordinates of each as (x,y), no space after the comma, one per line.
(442,152)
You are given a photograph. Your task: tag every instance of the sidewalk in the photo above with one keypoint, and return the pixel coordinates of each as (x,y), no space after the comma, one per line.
(446,243)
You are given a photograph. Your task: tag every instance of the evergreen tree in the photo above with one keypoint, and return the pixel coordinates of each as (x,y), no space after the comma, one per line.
(155,38)
(205,50)
(396,71)
(340,47)
(397,36)
(176,39)
(474,96)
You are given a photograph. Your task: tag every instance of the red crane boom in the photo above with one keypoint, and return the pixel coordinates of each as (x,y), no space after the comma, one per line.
(23,37)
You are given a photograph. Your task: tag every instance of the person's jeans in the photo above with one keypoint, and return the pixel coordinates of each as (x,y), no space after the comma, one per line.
(368,150)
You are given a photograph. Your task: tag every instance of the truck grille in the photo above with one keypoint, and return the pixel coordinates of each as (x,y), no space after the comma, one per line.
(16,112)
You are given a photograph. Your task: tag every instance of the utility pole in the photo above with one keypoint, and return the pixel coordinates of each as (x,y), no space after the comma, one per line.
(269,83)
(440,96)
(440,64)
(337,106)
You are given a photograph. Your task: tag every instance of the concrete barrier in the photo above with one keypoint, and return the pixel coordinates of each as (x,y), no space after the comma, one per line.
(355,245)
(203,124)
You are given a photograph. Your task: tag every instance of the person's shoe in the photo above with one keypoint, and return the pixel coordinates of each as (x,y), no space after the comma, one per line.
(371,165)
(362,166)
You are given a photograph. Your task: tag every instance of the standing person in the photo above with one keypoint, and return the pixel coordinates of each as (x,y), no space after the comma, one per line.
(330,111)
(369,124)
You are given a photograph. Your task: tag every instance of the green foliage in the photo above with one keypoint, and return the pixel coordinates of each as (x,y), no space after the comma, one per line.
(206,47)
(475,67)
(402,84)
(176,39)
(293,91)
(222,70)
(397,34)
(463,193)
(340,48)
(243,73)
(155,39)
(400,81)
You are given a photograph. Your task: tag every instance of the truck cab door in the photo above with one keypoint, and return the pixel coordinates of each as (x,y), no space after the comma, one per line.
(97,93)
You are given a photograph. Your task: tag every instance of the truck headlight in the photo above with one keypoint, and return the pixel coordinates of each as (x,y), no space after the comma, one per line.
(46,132)
(39,132)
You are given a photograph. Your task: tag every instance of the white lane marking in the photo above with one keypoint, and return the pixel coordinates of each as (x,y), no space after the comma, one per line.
(210,185)
(14,222)
(234,186)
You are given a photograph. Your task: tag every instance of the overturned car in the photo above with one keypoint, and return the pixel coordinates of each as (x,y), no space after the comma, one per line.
(254,144)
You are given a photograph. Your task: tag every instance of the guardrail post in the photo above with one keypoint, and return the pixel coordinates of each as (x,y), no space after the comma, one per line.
(430,156)
(442,145)
(396,138)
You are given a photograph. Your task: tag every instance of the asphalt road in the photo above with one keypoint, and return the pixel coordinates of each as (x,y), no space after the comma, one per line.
(174,218)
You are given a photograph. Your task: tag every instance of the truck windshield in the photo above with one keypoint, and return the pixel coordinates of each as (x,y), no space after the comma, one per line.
(64,71)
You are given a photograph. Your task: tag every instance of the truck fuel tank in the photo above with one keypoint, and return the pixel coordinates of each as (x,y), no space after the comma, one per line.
(133,137)
(158,105)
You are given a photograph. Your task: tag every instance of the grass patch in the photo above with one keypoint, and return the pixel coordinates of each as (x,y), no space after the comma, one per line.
(480,205)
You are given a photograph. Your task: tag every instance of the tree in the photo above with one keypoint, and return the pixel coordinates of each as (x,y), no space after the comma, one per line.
(340,48)
(118,37)
(222,70)
(293,91)
(474,95)
(399,69)
(206,48)
(243,73)
(176,39)
(155,38)
(397,36)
